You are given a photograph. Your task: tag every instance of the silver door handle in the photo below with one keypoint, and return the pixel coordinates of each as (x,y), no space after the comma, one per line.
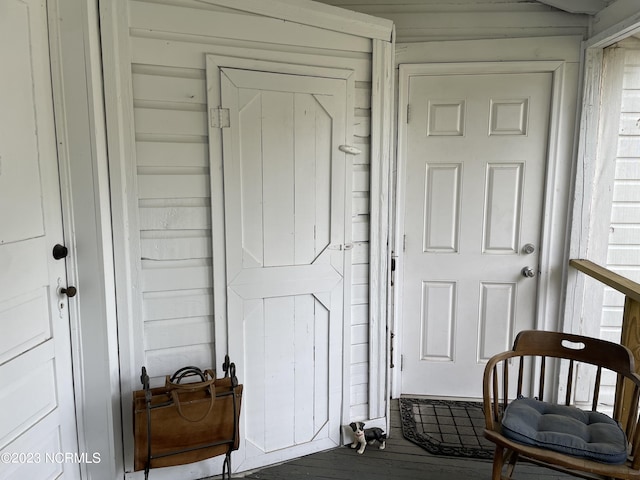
(528,272)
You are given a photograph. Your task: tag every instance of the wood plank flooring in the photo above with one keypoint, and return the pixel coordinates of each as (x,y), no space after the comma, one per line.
(400,460)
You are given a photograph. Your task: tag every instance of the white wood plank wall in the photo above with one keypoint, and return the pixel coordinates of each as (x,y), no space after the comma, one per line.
(169,40)
(360,258)
(623,254)
(431,20)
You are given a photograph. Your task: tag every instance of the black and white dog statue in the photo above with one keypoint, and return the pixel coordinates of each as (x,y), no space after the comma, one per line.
(363,436)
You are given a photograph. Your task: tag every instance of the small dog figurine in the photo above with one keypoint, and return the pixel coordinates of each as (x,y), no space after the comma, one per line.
(363,436)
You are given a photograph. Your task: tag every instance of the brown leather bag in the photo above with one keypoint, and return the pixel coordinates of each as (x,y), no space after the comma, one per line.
(187,422)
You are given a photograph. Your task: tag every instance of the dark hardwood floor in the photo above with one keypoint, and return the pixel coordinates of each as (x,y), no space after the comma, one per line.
(400,460)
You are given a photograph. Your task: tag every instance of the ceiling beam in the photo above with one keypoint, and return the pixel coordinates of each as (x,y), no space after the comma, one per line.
(589,7)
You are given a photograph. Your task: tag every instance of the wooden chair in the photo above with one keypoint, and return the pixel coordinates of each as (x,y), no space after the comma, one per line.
(499,391)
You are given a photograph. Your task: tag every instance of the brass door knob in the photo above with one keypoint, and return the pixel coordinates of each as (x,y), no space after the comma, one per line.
(69,291)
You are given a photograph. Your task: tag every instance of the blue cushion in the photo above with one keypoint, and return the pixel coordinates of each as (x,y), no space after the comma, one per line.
(565,429)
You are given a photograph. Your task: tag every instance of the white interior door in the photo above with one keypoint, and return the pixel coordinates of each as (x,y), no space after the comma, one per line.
(284,210)
(476,149)
(37,419)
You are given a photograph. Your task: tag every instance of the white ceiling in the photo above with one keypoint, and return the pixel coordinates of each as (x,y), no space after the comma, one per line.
(589,7)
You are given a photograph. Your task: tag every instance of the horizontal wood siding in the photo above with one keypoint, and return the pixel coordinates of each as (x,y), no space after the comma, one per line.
(175,218)
(169,40)
(431,20)
(623,252)
(360,257)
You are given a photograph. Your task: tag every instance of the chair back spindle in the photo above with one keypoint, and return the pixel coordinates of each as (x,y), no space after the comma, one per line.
(543,370)
(596,389)
(567,400)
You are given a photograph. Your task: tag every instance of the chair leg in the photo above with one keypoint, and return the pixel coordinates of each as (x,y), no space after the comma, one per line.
(512,459)
(498,462)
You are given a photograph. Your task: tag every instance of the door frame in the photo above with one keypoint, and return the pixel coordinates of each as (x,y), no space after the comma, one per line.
(79,115)
(552,240)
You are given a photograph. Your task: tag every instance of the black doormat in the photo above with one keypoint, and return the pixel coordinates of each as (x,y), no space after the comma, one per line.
(444,427)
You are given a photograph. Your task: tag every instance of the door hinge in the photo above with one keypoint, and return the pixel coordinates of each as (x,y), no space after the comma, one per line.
(393,272)
(408,112)
(401,363)
(220,118)
(391,364)
(404,243)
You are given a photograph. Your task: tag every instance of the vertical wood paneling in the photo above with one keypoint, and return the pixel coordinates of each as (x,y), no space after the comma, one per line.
(279,328)
(254,406)
(304,326)
(322,176)
(278,173)
(305,178)
(322,361)
(253,216)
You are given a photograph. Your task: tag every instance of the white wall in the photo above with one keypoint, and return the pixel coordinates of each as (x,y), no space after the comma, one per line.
(170,228)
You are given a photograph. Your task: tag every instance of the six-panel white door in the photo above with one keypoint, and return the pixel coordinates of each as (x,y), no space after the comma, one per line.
(37,418)
(284,208)
(475,168)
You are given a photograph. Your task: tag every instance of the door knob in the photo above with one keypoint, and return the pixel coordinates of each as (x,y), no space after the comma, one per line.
(528,272)
(60,251)
(69,291)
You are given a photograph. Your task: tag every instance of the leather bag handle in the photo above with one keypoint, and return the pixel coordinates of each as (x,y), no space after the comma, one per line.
(173,385)
(176,399)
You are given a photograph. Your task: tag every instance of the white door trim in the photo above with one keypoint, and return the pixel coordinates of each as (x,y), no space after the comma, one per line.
(76,71)
(118,105)
(380,195)
(550,261)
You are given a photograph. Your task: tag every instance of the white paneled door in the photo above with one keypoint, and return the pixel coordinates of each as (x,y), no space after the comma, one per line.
(37,418)
(284,211)
(476,149)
